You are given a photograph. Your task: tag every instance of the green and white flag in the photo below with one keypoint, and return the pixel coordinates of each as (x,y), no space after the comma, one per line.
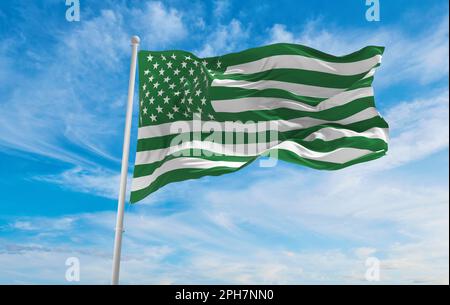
(211,116)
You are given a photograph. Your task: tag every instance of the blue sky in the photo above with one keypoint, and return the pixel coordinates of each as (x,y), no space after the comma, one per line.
(62,107)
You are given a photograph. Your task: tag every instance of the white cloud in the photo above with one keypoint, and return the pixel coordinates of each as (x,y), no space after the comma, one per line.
(101,182)
(225,39)
(221,7)
(320,226)
(314,236)
(158,24)
(422,57)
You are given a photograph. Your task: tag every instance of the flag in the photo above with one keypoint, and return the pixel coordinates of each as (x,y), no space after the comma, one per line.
(211,116)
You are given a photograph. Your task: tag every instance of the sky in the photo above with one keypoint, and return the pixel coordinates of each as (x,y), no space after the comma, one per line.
(63,88)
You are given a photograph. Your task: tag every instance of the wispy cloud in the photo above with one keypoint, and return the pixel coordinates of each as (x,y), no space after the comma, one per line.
(226,38)
(290,226)
(422,57)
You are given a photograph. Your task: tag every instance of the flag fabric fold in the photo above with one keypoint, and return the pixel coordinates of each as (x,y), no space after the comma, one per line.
(211,116)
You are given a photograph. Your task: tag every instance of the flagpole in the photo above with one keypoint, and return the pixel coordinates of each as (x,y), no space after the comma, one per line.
(124,170)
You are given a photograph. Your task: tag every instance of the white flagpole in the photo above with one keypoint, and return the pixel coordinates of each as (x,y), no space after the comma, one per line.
(124,171)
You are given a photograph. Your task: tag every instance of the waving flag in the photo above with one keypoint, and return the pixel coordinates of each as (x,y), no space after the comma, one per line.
(306,106)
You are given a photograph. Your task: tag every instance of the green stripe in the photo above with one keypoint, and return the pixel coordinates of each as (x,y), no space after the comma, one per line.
(332,114)
(147,169)
(189,173)
(294,49)
(305,77)
(316,145)
(165,141)
(289,156)
(179,175)
(227,93)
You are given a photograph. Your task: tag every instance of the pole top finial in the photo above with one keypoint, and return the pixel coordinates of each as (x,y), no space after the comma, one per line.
(135,40)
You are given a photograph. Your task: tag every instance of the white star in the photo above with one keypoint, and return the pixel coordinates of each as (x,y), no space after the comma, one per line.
(191,71)
(198,92)
(169,65)
(149,57)
(186,114)
(144,110)
(219,64)
(187,57)
(199,110)
(195,63)
(166,100)
(211,117)
(155,65)
(152,99)
(182,79)
(161,72)
(203,100)
(150,79)
(175,108)
(142,102)
(170,115)
(183,100)
(205,63)
(172,86)
(160,92)
(144,87)
(176,72)
(177,93)
(186,92)
(147,94)
(156,85)
(153,117)
(159,109)
(146,72)
(190,100)
(173,56)
(163,57)
(183,64)
(166,79)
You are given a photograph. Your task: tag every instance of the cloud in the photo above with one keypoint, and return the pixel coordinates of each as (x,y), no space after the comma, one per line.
(314,236)
(73,109)
(421,57)
(221,7)
(289,225)
(158,24)
(101,182)
(225,39)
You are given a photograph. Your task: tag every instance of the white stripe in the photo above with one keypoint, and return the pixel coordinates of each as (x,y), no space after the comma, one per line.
(253,149)
(270,103)
(276,125)
(339,156)
(243,150)
(142,182)
(330,134)
(299,89)
(304,63)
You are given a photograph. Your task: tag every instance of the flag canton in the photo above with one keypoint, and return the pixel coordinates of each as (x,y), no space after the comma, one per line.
(174,85)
